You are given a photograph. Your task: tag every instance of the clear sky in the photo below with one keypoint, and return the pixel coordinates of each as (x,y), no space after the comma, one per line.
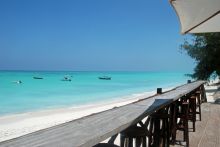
(90,35)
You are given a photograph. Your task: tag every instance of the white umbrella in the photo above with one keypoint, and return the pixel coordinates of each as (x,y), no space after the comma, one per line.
(198,16)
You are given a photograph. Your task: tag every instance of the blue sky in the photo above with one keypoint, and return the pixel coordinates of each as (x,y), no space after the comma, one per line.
(90,35)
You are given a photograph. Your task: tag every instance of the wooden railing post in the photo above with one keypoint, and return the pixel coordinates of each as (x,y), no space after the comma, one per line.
(159,90)
(204,98)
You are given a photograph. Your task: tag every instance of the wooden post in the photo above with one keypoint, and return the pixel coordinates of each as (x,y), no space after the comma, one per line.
(204,98)
(159,90)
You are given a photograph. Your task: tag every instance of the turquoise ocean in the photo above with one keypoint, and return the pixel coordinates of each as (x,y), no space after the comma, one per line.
(85,88)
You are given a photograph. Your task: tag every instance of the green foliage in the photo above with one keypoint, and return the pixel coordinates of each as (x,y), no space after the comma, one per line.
(205,49)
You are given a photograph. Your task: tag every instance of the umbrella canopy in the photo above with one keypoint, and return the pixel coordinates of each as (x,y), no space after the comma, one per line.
(198,16)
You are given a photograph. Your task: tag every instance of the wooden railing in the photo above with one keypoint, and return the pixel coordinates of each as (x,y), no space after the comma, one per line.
(92,129)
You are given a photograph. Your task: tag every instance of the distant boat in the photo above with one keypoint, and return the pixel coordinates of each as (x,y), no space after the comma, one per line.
(17,82)
(105,78)
(38,78)
(66,78)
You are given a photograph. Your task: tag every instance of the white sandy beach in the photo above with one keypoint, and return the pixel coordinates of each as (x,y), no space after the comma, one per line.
(12,126)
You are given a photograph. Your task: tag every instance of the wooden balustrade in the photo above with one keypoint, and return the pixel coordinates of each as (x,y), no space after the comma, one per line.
(92,129)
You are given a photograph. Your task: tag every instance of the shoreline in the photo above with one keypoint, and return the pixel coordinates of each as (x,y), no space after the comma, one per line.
(15,125)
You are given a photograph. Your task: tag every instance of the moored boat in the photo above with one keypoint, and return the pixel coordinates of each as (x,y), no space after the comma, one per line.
(66,78)
(38,78)
(17,82)
(105,78)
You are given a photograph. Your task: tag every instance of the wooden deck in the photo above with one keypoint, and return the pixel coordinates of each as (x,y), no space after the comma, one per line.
(90,130)
(208,130)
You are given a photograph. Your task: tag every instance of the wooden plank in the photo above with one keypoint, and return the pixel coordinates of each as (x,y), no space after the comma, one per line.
(211,135)
(90,130)
(195,137)
(207,131)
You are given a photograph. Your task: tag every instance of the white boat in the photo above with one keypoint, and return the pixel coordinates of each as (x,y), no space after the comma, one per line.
(17,82)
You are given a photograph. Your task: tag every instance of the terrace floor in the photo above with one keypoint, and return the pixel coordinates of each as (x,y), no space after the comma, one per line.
(208,130)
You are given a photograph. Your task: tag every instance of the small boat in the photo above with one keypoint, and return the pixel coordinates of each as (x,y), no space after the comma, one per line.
(38,78)
(66,79)
(105,78)
(17,82)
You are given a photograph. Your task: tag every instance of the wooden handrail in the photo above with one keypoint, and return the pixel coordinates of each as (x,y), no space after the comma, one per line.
(92,129)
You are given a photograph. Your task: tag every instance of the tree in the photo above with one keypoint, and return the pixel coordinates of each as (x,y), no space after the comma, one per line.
(205,49)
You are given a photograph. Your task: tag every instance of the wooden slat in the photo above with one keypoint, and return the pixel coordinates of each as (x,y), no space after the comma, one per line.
(211,135)
(90,130)
(207,131)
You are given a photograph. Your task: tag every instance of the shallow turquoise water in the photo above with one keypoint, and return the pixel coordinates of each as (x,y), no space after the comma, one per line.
(85,88)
